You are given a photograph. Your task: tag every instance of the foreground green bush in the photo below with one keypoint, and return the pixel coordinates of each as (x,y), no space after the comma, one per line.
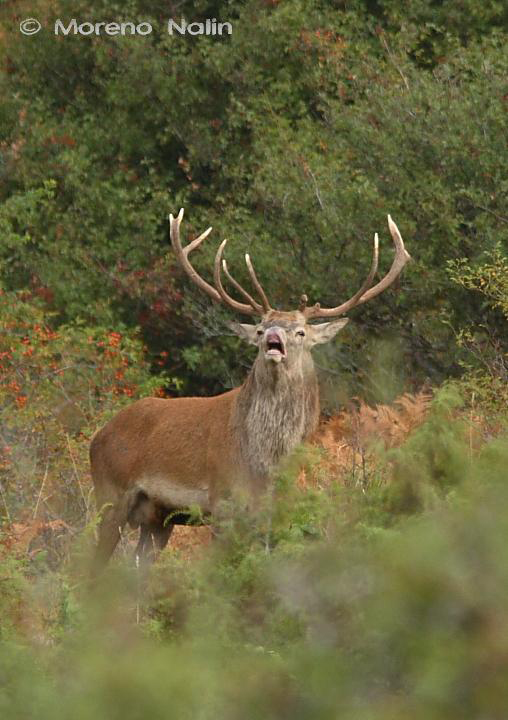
(370,615)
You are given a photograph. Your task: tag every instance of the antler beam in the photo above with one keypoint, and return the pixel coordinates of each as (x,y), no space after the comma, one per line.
(217,293)
(366,292)
(253,307)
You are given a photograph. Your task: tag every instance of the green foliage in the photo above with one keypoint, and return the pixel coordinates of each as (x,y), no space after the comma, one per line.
(490,278)
(295,135)
(14,586)
(483,344)
(354,618)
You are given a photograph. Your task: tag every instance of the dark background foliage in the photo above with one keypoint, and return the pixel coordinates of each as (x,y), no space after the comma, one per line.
(294,136)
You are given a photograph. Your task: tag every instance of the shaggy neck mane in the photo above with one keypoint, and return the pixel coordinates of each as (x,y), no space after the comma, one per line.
(277,408)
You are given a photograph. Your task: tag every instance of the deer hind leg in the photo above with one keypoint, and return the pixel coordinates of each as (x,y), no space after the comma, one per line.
(152,540)
(149,515)
(162,535)
(145,551)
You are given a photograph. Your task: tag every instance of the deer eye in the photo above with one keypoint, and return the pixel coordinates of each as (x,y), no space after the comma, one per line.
(301,332)
(260,332)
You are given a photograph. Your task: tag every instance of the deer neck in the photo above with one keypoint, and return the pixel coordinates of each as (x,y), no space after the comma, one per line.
(277,408)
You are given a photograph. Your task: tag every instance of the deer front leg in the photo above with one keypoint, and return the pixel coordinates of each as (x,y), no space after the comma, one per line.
(110,529)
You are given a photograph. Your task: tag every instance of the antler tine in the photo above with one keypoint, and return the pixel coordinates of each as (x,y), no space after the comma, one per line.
(366,292)
(240,289)
(253,308)
(401,258)
(302,306)
(317,311)
(218,294)
(257,284)
(182,253)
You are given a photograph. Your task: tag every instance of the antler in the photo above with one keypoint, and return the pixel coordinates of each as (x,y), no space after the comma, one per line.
(218,292)
(366,292)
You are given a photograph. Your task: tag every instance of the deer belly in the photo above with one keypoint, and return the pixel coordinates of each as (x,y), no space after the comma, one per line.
(170,495)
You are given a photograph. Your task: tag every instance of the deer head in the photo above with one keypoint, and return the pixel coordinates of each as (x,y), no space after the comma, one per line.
(284,337)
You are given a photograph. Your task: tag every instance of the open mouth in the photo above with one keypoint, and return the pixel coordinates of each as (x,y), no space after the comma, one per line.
(275,349)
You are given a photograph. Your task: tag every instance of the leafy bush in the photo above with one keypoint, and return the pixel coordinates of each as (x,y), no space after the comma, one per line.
(56,388)
(295,135)
(357,617)
(484,352)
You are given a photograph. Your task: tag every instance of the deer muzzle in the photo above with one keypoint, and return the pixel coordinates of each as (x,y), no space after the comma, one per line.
(275,345)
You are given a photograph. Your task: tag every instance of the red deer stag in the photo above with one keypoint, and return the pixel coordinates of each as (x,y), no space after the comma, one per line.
(157,457)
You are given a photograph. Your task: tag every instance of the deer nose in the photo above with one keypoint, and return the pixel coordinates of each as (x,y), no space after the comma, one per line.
(275,343)
(273,333)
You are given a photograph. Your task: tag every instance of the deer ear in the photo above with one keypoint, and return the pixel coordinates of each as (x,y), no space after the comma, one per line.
(245,331)
(324,332)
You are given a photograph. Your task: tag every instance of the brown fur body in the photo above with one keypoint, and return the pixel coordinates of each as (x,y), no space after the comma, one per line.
(157,458)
